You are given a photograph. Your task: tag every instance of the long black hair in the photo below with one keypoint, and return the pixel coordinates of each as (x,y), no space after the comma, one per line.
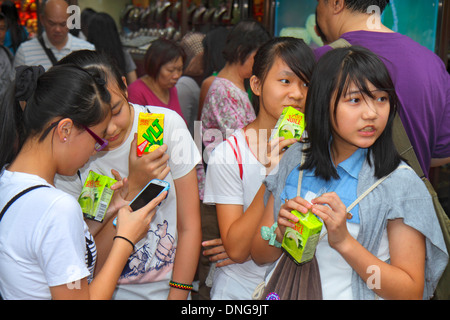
(64,91)
(294,52)
(103,34)
(213,45)
(334,73)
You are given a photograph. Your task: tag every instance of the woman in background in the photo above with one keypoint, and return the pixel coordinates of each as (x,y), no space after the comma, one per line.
(188,86)
(213,60)
(228,107)
(16,34)
(164,61)
(103,34)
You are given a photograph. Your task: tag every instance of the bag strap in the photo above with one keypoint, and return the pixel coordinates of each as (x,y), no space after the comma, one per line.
(404,147)
(17,197)
(362,196)
(340,43)
(49,52)
(300,175)
(237,154)
(376,184)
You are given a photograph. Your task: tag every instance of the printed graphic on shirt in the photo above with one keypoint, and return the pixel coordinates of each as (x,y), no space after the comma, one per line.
(152,261)
(91,255)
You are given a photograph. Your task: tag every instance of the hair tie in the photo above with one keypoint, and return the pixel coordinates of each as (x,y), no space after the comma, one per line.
(26,81)
(99,81)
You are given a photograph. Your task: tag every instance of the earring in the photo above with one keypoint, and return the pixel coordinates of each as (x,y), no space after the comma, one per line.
(65,139)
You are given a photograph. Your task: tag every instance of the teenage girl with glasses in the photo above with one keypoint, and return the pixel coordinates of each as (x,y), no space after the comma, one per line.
(46,249)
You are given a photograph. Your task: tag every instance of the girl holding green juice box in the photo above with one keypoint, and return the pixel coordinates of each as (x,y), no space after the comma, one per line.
(281,72)
(165,260)
(46,249)
(388,245)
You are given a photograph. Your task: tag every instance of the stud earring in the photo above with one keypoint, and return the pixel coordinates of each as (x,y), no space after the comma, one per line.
(65,139)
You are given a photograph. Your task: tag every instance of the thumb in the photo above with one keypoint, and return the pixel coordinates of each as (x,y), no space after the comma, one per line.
(133,146)
(149,207)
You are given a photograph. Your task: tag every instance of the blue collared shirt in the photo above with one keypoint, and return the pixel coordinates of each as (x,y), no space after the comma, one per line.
(345,187)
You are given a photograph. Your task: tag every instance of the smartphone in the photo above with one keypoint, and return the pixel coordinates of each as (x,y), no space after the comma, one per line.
(153,189)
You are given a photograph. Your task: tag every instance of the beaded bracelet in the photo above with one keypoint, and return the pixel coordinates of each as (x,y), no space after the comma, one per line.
(180,285)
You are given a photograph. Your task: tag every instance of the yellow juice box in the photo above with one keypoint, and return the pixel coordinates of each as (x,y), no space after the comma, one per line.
(150,132)
(301,242)
(96,196)
(291,124)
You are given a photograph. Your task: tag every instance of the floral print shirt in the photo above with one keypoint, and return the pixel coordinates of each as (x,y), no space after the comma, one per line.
(226,108)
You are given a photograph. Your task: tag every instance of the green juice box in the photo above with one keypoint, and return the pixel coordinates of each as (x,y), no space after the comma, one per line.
(96,196)
(291,124)
(301,242)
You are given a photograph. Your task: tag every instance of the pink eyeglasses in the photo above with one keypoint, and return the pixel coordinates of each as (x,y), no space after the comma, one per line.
(100,143)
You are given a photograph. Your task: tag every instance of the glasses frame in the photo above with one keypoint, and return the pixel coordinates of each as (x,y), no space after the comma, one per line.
(100,143)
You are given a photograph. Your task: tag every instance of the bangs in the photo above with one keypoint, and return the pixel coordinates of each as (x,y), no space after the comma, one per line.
(292,57)
(359,71)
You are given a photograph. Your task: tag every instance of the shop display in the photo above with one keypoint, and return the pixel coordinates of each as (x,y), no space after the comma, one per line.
(28,16)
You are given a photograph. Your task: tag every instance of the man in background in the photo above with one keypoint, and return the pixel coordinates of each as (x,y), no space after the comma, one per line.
(56,39)
(420,77)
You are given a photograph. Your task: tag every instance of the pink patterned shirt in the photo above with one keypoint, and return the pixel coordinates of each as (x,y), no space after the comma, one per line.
(226,108)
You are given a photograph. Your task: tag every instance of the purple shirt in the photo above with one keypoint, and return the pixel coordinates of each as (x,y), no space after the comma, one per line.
(422,84)
(139,93)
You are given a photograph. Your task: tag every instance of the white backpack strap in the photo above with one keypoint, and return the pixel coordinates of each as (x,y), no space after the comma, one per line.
(300,175)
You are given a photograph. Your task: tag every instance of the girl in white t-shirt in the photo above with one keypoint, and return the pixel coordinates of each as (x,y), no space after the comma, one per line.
(238,166)
(168,255)
(46,250)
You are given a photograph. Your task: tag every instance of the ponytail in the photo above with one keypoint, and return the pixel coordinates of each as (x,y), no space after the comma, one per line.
(62,92)
(11,114)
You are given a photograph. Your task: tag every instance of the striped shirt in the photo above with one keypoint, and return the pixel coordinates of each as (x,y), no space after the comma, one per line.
(31,53)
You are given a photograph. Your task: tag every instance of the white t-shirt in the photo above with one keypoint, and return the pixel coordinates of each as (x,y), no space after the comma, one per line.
(224,185)
(149,269)
(42,239)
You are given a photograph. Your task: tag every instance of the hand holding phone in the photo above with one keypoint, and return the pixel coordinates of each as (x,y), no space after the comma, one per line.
(134,225)
(153,189)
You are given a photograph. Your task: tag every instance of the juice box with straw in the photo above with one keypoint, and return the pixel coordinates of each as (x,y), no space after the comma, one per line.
(291,124)
(150,132)
(301,241)
(96,196)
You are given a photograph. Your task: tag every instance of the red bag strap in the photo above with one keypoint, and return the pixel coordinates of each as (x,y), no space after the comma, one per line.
(237,154)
